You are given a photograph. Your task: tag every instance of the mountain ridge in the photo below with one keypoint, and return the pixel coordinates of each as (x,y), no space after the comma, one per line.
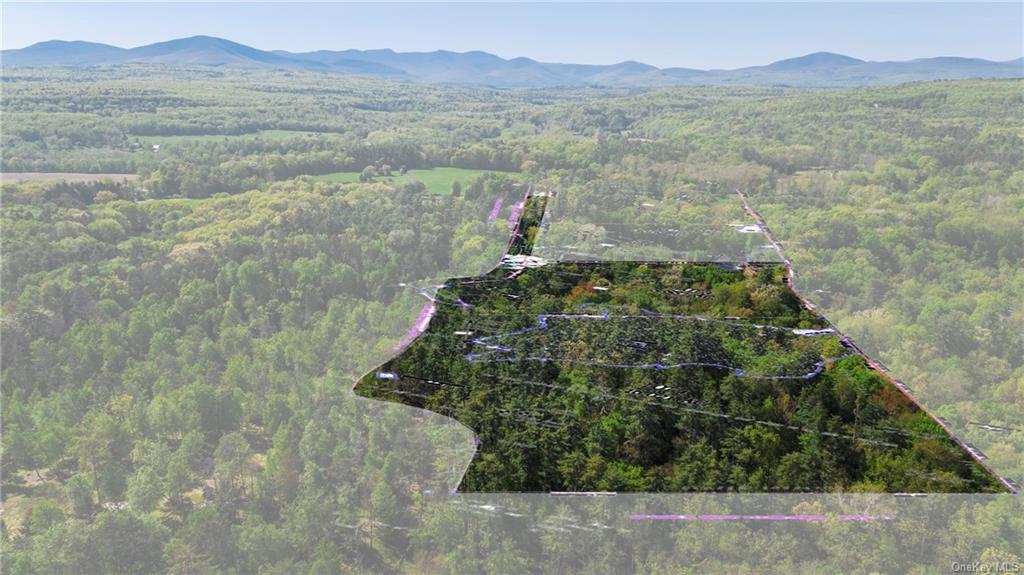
(818,69)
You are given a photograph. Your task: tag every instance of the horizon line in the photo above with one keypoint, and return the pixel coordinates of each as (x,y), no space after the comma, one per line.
(505,58)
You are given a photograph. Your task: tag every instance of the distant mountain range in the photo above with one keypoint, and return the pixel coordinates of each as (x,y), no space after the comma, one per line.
(821,69)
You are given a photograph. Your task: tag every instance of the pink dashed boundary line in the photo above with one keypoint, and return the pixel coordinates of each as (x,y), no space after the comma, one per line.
(513,218)
(419,327)
(495,210)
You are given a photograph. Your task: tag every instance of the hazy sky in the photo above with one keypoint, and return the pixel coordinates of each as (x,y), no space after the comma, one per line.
(723,35)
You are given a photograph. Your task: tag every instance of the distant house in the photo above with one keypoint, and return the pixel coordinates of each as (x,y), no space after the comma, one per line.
(156,147)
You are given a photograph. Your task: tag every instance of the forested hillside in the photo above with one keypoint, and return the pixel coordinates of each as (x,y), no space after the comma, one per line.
(177,350)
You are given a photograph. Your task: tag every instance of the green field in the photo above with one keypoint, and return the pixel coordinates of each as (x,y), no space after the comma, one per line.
(342,177)
(273,135)
(437,180)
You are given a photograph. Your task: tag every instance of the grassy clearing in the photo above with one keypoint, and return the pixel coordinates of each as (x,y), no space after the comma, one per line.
(272,135)
(437,180)
(341,177)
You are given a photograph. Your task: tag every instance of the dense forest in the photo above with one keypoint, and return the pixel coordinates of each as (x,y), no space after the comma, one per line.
(177,349)
(663,377)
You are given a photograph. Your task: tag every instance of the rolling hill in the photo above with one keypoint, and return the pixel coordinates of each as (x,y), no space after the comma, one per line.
(820,69)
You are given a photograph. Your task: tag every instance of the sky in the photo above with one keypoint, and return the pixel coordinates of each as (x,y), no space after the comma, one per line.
(695,35)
